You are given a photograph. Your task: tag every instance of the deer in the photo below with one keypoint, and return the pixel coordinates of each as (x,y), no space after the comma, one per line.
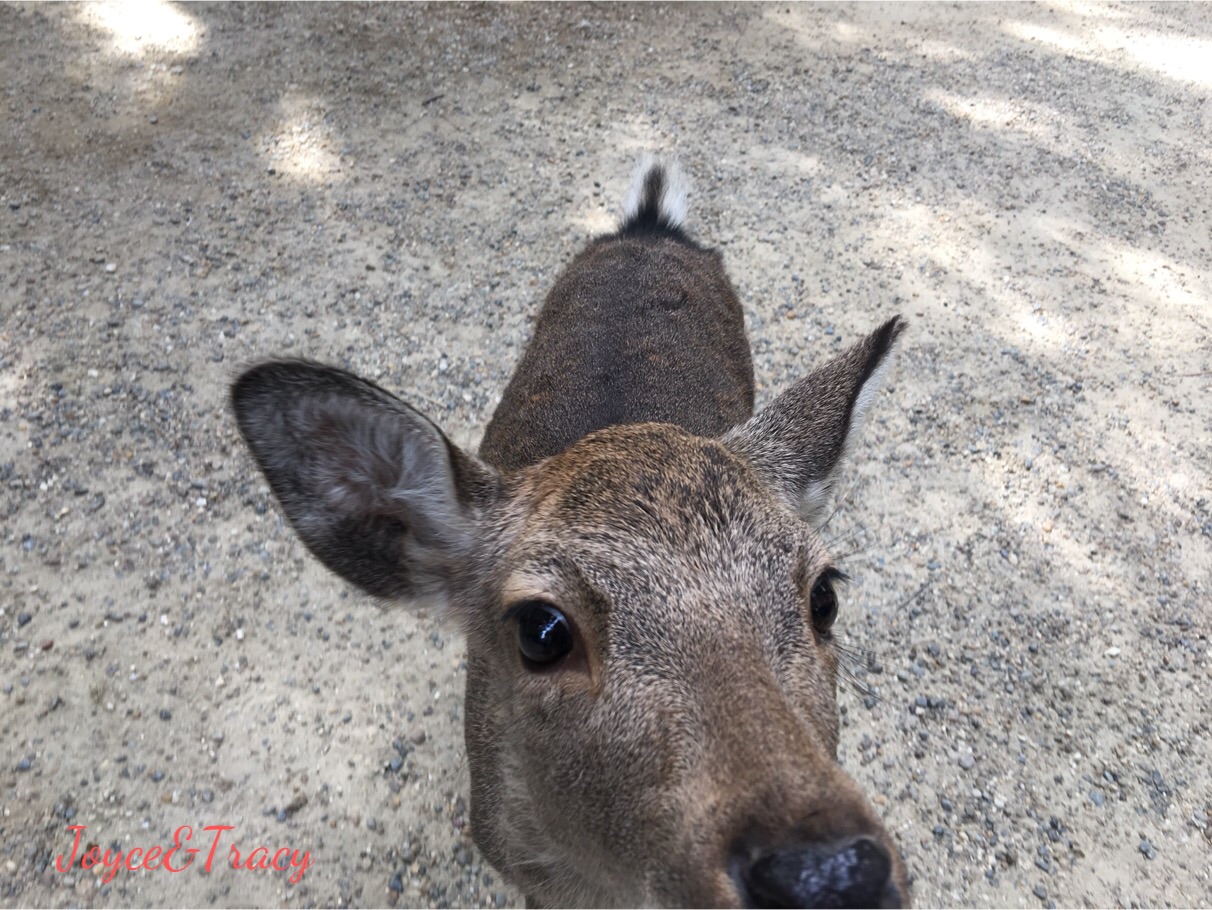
(635,559)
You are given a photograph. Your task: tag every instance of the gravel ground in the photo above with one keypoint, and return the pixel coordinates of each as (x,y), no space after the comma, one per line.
(186,189)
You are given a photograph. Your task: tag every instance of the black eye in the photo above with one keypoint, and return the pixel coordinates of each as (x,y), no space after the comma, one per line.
(823,601)
(544,635)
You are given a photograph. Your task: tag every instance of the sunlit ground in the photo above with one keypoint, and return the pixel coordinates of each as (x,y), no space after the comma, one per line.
(300,141)
(1174,56)
(139,27)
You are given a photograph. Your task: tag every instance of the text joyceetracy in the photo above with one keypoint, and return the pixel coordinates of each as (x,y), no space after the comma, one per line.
(180,856)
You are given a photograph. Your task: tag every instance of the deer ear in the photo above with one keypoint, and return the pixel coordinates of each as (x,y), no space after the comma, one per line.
(797,443)
(374,490)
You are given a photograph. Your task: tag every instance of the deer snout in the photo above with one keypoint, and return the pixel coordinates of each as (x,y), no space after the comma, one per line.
(854,872)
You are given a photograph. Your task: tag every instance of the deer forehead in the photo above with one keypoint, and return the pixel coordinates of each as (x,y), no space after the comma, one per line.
(653,514)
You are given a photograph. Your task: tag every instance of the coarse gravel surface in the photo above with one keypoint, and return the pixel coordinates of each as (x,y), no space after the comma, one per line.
(186,189)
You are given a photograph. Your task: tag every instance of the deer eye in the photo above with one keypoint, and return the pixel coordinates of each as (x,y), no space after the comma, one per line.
(823,601)
(544,633)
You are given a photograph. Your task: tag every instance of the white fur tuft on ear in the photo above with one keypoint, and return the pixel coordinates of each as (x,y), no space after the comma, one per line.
(867,393)
(798,443)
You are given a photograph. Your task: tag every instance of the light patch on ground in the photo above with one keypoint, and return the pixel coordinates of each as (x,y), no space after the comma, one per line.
(142,27)
(1178,57)
(1035,121)
(299,146)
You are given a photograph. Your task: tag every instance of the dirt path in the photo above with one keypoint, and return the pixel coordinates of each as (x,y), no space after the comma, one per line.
(184,189)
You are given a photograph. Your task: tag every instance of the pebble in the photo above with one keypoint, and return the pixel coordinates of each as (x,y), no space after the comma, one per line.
(966,762)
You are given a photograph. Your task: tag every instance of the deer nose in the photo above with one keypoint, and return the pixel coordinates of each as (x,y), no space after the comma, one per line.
(856,872)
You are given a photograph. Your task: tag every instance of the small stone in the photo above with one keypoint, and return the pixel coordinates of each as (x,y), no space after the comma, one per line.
(24,765)
(966,762)
(166,714)
(23,619)
(417,737)
(1040,891)
(1097,797)
(1147,848)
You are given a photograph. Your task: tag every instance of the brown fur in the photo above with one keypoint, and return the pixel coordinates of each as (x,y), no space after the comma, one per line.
(691,732)
(635,329)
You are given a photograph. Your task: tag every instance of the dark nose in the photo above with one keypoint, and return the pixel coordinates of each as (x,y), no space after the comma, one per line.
(852,873)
